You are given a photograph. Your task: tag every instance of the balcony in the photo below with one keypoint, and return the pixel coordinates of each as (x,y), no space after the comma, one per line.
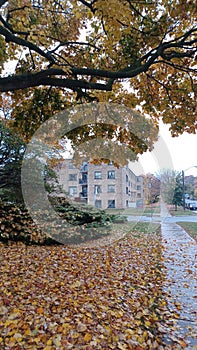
(83,195)
(83,181)
(83,168)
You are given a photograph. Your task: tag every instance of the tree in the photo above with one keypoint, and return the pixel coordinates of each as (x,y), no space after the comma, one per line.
(91,47)
(12,149)
(178,191)
(30,112)
(171,187)
(151,188)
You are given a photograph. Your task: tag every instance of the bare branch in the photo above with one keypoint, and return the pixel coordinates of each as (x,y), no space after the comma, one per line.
(74,43)
(166,88)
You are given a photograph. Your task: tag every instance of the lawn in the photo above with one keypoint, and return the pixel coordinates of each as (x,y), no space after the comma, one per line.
(180,211)
(86,297)
(146,210)
(190,227)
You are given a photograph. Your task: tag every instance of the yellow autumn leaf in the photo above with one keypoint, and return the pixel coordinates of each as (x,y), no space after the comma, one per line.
(49,342)
(87,337)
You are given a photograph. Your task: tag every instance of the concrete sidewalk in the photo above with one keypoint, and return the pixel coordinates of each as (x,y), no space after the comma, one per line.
(180,260)
(164,217)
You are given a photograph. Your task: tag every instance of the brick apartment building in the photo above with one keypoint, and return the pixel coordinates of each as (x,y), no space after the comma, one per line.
(103,186)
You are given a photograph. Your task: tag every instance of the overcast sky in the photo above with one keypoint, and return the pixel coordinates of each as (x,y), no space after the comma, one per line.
(178,153)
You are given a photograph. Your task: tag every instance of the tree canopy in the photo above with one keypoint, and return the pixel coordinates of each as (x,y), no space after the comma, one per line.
(91,47)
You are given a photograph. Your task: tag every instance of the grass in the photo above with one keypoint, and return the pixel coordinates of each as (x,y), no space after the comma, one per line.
(190,228)
(180,212)
(147,210)
(139,227)
(119,231)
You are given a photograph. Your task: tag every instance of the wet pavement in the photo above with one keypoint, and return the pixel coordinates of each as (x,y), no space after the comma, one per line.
(166,218)
(180,260)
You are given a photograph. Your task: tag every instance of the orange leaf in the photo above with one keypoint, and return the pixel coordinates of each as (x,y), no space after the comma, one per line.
(40,310)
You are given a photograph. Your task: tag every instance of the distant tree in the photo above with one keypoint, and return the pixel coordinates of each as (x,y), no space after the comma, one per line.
(178,191)
(154,182)
(171,187)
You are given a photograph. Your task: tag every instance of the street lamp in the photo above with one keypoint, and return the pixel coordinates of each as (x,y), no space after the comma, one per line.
(183,180)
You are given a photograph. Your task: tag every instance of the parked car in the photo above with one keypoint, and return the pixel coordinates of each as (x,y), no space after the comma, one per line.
(192,205)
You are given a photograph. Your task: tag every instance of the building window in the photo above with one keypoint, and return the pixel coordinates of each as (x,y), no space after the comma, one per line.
(111,174)
(97,189)
(138,179)
(127,178)
(127,204)
(111,188)
(72,177)
(72,190)
(138,195)
(138,188)
(111,203)
(98,203)
(97,175)
(127,190)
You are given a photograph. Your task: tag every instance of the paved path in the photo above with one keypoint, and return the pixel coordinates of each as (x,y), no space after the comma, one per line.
(180,259)
(165,218)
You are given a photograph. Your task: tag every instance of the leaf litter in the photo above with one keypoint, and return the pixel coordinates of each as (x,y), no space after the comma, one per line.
(85,297)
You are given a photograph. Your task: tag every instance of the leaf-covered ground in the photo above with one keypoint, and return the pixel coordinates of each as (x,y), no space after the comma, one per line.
(60,297)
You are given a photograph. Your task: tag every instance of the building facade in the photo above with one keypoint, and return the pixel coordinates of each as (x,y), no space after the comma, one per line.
(103,186)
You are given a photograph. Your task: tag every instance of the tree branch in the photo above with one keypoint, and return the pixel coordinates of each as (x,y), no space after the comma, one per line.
(174,54)
(178,67)
(28,80)
(167,89)
(89,5)
(2,2)
(74,43)
(167,50)
(9,37)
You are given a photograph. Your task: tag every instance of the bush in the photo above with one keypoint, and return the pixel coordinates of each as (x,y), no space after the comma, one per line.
(17,225)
